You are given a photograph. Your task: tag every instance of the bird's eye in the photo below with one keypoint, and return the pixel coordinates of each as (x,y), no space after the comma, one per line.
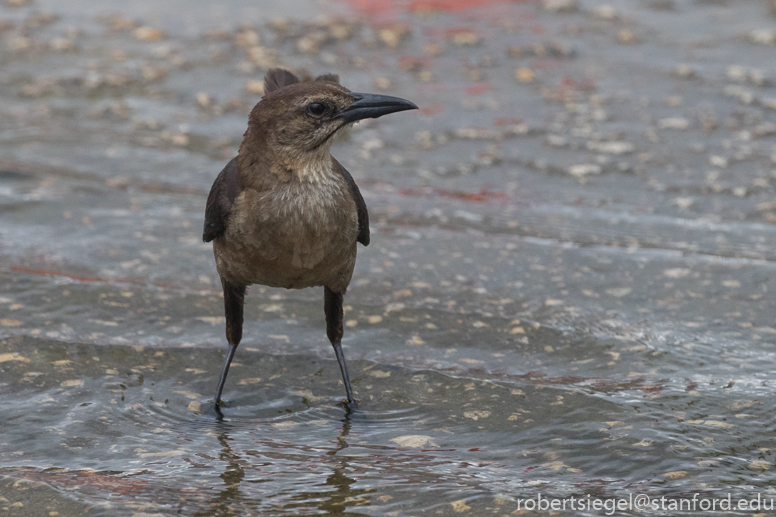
(316,108)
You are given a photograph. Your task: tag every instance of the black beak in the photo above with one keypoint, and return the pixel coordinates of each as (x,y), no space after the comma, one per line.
(368,105)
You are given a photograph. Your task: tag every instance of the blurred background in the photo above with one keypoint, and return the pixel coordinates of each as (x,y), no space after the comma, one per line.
(569,291)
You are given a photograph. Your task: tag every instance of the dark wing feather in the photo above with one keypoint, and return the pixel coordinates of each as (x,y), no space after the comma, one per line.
(219,203)
(278,78)
(363,215)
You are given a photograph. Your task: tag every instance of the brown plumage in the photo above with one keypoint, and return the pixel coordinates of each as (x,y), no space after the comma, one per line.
(284,212)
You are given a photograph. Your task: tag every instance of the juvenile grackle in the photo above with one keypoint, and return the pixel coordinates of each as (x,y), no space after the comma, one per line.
(284,212)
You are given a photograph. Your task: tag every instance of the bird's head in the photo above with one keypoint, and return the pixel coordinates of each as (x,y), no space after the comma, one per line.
(299,120)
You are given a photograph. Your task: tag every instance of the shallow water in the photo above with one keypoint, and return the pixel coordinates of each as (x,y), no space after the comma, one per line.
(568,291)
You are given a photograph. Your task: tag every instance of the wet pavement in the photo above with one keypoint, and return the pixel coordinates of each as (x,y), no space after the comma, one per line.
(569,291)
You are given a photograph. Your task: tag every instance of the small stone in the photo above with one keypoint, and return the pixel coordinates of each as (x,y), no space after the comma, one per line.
(736,73)
(247,38)
(627,37)
(117,22)
(607,12)
(382,83)
(685,71)
(763,36)
(584,169)
(674,123)
(717,423)
(524,75)
(255,86)
(611,147)
(432,49)
(204,100)
(13,356)
(62,45)
(683,202)
(40,20)
(740,93)
(153,74)
(460,506)
(415,340)
(264,57)
(285,425)
(464,38)
(146,33)
(393,35)
(416,441)
(718,161)
(19,43)
(678,272)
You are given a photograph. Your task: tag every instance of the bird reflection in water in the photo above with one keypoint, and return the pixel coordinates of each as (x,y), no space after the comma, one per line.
(336,500)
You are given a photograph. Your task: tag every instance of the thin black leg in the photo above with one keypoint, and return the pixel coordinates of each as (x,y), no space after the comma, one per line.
(234,296)
(345,377)
(222,380)
(332,306)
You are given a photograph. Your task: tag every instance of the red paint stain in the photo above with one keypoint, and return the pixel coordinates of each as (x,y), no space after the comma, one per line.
(48,272)
(452,31)
(478,88)
(586,84)
(381,7)
(451,5)
(470,197)
(413,64)
(471,89)
(433,109)
(124,486)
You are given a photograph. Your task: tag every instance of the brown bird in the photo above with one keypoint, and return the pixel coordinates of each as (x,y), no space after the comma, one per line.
(284,212)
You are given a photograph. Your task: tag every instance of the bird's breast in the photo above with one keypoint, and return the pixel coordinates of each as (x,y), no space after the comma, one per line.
(296,233)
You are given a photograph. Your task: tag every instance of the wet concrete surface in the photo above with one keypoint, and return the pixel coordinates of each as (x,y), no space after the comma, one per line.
(568,291)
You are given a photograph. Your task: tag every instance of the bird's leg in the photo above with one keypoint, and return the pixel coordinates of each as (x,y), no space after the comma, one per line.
(234,296)
(332,306)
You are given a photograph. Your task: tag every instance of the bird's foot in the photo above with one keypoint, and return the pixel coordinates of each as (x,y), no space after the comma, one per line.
(348,405)
(215,411)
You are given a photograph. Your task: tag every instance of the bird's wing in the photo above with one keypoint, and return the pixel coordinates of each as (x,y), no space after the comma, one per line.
(363,215)
(219,203)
